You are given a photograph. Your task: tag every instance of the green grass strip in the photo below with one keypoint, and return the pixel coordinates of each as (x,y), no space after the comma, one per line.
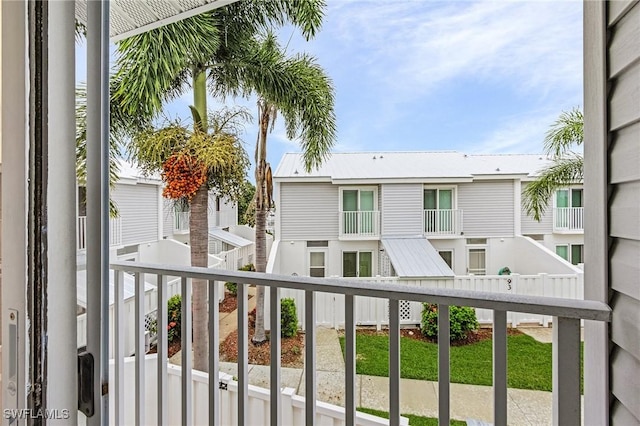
(529,361)
(413,420)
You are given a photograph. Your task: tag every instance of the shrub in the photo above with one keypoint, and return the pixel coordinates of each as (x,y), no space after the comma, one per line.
(174,317)
(288,318)
(462,320)
(232,288)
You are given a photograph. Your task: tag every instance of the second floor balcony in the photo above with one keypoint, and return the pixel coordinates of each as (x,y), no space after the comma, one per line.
(442,222)
(359,224)
(115,232)
(568,219)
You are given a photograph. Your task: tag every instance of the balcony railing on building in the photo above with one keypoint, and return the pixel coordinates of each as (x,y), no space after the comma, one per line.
(359,224)
(442,222)
(568,219)
(146,389)
(115,232)
(181,222)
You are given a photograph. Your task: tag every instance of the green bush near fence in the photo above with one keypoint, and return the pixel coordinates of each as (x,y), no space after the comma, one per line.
(232,288)
(288,318)
(462,321)
(174,318)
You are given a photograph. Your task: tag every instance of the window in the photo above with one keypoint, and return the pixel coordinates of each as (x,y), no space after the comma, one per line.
(357,264)
(359,210)
(476,241)
(569,197)
(317,243)
(477,261)
(317,264)
(438,210)
(573,253)
(447,256)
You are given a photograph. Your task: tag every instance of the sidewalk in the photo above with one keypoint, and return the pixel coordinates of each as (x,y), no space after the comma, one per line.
(525,407)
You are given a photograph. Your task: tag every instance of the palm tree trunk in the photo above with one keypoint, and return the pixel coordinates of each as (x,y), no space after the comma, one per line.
(261,219)
(199,240)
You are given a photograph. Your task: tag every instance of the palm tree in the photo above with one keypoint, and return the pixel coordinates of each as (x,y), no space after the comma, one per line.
(306,103)
(216,47)
(567,167)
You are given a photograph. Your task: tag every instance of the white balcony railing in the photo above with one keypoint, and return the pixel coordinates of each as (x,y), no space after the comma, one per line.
(181,221)
(115,232)
(568,219)
(566,340)
(442,222)
(360,224)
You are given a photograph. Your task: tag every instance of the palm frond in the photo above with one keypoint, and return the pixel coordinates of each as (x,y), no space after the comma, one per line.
(115,144)
(297,86)
(568,130)
(537,194)
(153,67)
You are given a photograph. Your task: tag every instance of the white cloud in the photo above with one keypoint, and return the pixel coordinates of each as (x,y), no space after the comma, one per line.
(412,47)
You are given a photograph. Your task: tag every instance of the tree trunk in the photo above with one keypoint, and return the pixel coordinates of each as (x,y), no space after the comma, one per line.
(199,240)
(261,266)
(262,207)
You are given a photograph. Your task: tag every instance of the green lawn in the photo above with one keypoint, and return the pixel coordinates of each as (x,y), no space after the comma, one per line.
(529,361)
(413,420)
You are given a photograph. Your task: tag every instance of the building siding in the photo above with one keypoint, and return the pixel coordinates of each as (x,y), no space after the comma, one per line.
(138,207)
(402,209)
(528,225)
(487,208)
(309,211)
(623,60)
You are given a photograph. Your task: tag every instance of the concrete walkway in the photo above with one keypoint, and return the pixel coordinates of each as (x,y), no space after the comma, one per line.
(525,407)
(419,397)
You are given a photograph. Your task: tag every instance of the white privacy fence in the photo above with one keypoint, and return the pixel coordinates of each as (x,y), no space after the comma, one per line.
(258,400)
(226,260)
(375,312)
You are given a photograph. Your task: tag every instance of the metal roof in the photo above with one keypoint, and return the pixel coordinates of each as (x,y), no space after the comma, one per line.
(129,287)
(228,237)
(130,17)
(403,165)
(415,257)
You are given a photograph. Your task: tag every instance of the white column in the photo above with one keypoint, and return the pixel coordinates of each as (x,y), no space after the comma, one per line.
(14,99)
(596,245)
(61,289)
(97,201)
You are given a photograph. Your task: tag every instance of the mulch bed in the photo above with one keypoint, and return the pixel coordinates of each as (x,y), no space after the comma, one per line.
(174,347)
(415,333)
(229,303)
(291,348)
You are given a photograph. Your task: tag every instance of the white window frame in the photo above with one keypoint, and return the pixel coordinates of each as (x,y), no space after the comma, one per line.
(569,247)
(454,194)
(477,246)
(373,261)
(325,252)
(453,258)
(360,188)
(568,188)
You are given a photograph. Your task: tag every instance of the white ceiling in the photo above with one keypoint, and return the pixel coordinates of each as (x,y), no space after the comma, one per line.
(130,17)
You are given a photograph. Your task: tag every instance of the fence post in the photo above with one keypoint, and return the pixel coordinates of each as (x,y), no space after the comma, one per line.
(287,405)
(515,279)
(546,291)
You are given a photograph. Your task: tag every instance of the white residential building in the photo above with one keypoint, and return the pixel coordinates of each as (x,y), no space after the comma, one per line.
(356,214)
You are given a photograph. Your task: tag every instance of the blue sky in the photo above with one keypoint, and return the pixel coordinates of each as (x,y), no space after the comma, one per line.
(476,77)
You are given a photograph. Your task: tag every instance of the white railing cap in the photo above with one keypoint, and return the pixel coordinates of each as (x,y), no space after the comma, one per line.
(568,308)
